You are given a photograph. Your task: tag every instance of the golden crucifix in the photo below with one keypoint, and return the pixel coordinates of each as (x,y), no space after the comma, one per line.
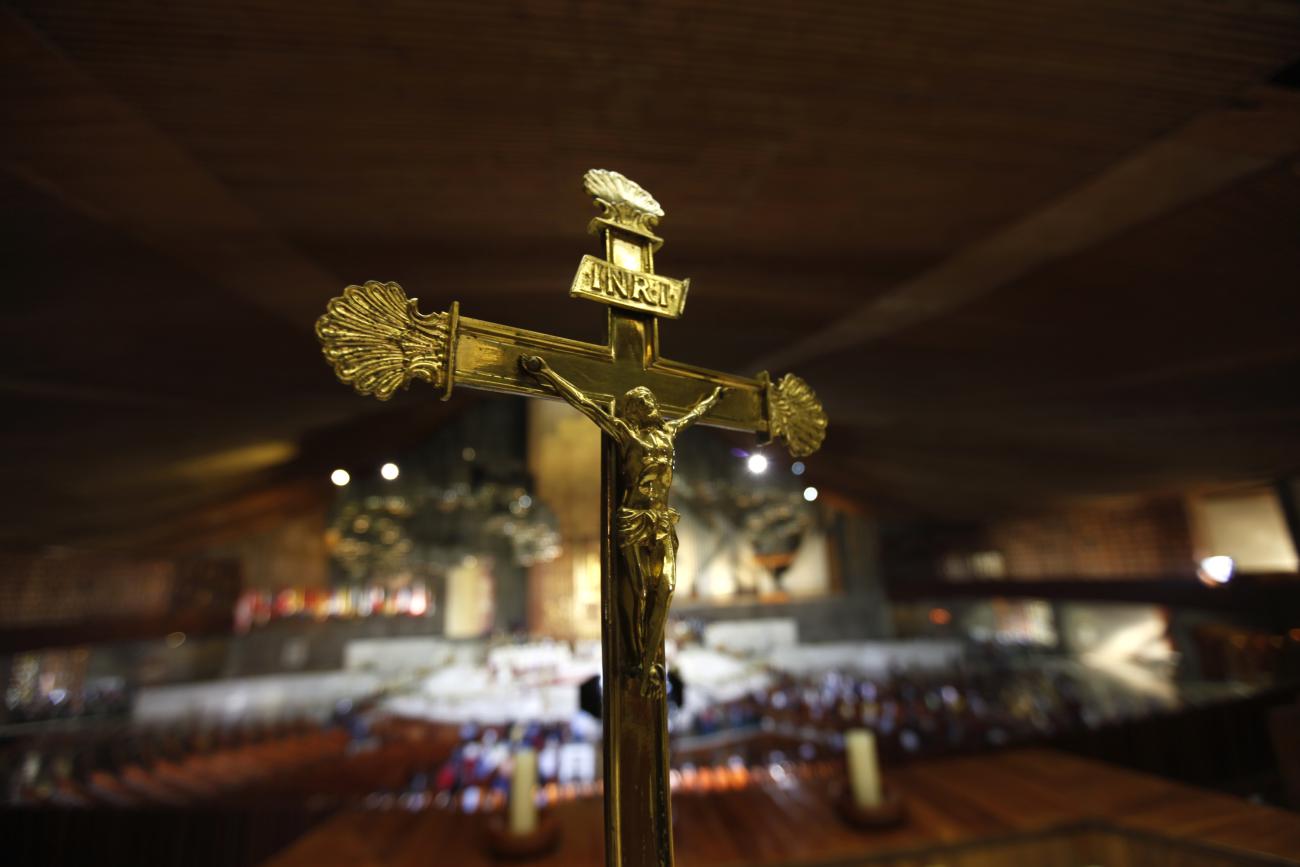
(378,341)
(647,527)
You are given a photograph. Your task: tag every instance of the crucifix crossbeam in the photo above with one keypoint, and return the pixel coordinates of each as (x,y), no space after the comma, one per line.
(378,342)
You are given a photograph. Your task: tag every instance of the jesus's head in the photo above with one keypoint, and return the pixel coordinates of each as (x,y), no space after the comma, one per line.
(640,406)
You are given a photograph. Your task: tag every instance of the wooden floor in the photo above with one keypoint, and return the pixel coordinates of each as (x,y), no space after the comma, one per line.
(950,801)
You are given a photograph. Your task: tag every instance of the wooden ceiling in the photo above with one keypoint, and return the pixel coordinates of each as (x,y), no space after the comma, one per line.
(1026,252)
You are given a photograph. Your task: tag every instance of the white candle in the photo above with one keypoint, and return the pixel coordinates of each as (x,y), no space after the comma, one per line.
(864,772)
(523,786)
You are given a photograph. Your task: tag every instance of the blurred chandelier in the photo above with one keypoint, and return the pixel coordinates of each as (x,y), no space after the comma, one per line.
(430,529)
(773,519)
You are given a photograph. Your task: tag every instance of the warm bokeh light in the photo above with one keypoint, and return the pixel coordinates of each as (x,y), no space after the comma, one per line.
(390,471)
(1217,569)
(340,477)
(756,464)
(940,616)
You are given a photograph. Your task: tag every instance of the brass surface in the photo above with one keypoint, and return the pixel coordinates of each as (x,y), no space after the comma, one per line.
(646,533)
(378,341)
(797,415)
(610,283)
(627,204)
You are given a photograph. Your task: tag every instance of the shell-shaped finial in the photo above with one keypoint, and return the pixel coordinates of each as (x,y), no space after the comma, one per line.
(378,341)
(797,416)
(625,201)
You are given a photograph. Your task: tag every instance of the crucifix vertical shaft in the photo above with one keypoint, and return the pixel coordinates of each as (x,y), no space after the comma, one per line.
(638,802)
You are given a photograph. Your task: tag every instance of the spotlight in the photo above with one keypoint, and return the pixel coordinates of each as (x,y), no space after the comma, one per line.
(756,464)
(340,477)
(810,493)
(797,468)
(389,471)
(1217,569)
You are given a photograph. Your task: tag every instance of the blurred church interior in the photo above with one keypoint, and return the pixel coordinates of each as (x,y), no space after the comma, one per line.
(1040,262)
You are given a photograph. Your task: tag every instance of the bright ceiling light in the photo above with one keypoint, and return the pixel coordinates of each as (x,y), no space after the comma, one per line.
(340,477)
(810,493)
(756,464)
(389,471)
(1217,569)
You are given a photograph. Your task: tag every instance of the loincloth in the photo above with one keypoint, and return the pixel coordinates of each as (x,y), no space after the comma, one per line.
(642,526)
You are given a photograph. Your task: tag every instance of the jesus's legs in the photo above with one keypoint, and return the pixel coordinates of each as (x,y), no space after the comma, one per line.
(659,595)
(632,602)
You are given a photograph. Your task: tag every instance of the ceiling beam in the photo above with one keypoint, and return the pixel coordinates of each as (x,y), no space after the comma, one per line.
(1211,152)
(101,157)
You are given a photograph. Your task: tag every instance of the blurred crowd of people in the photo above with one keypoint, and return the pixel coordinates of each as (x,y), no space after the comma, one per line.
(94,701)
(998,698)
(363,754)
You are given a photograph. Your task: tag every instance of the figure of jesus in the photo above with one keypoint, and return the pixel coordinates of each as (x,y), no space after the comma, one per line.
(646,529)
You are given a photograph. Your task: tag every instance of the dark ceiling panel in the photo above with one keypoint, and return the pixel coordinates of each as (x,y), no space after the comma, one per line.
(810,157)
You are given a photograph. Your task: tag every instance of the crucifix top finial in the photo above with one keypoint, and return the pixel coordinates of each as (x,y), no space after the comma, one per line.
(625,277)
(627,204)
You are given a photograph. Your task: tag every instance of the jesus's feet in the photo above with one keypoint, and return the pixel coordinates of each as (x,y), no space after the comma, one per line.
(652,685)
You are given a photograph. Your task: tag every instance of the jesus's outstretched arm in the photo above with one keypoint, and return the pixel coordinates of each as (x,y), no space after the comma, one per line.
(537,366)
(696,412)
